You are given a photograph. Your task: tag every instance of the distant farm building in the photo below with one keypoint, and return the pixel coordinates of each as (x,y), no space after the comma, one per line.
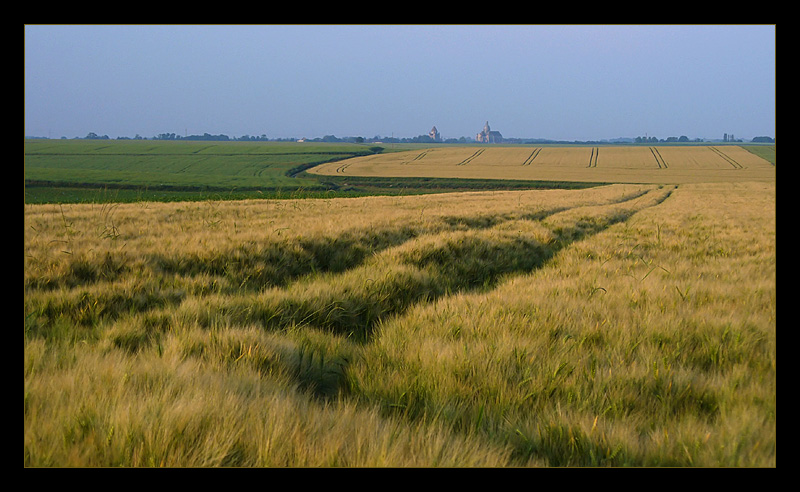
(488,136)
(434,134)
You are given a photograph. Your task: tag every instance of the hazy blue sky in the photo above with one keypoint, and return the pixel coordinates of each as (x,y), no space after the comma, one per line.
(580,82)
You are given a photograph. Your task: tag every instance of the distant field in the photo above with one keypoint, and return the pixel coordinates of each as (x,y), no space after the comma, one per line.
(78,171)
(610,164)
(69,170)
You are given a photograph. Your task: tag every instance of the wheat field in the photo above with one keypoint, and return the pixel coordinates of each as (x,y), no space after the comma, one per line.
(613,164)
(622,325)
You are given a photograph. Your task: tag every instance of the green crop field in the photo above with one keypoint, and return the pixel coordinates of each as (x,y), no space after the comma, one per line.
(56,170)
(585,325)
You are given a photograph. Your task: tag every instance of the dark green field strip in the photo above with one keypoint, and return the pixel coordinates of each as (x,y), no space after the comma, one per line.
(766,152)
(174,163)
(429,184)
(189,154)
(94,193)
(46,191)
(154,180)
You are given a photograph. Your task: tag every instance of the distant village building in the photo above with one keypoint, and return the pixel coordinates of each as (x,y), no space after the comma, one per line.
(434,134)
(488,136)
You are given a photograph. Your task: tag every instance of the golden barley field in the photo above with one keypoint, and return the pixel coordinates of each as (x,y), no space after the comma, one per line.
(626,325)
(613,164)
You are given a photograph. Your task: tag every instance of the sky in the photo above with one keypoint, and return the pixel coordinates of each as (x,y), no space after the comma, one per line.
(559,82)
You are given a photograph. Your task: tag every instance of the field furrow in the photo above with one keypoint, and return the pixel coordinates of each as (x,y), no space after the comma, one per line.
(659,160)
(471,158)
(732,162)
(593,157)
(531,157)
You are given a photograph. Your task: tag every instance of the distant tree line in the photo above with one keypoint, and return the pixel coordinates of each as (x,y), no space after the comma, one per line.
(205,136)
(175,136)
(682,138)
(379,139)
(263,138)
